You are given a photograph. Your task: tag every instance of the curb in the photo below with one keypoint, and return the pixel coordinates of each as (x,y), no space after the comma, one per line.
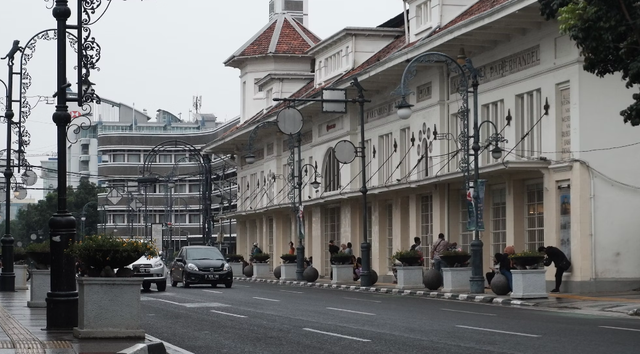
(487,299)
(147,348)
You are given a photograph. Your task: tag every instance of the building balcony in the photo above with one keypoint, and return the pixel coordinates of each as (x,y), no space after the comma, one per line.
(85,157)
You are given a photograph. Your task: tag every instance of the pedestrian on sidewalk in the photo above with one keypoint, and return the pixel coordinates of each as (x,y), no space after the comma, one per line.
(349,249)
(255,250)
(438,247)
(559,259)
(292,250)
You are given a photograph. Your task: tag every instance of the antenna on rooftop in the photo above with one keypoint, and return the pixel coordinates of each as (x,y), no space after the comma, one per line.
(197,104)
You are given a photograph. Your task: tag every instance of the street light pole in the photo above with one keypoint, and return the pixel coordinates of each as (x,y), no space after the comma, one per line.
(365,247)
(62,300)
(8,276)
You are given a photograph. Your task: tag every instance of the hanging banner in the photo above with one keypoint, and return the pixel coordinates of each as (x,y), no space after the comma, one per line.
(471,220)
(482,183)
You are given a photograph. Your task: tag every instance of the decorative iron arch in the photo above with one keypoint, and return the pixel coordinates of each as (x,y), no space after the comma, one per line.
(204,165)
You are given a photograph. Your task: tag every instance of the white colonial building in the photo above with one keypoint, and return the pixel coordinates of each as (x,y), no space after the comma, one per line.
(564,178)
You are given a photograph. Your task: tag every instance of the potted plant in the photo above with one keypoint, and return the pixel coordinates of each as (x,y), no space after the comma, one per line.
(289,258)
(40,254)
(235,258)
(101,255)
(261,258)
(341,258)
(529,279)
(237,263)
(409,275)
(19,255)
(409,258)
(456,258)
(526,259)
(109,306)
(289,267)
(261,266)
(20,268)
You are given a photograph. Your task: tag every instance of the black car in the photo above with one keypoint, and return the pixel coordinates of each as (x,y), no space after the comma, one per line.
(200,265)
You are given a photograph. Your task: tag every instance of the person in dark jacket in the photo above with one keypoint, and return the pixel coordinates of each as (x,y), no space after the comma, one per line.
(504,266)
(559,259)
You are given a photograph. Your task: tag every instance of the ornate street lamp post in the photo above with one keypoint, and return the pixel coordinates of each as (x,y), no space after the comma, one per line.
(463,67)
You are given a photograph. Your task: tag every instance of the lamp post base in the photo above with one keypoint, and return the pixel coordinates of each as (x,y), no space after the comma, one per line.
(476,282)
(365,273)
(300,262)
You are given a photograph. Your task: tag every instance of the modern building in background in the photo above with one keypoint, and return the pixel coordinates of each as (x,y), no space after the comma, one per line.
(49,175)
(559,182)
(111,152)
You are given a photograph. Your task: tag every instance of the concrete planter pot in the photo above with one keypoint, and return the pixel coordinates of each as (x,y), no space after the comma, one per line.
(342,274)
(288,271)
(261,271)
(237,269)
(529,284)
(456,279)
(20,271)
(108,308)
(40,285)
(409,278)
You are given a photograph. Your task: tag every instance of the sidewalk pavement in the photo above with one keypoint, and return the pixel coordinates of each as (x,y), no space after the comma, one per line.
(616,304)
(23,327)
(23,332)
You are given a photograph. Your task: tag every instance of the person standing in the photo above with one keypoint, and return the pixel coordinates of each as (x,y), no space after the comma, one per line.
(349,249)
(292,250)
(438,247)
(417,247)
(255,250)
(559,259)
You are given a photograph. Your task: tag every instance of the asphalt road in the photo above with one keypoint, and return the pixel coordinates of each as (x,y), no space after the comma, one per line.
(268,318)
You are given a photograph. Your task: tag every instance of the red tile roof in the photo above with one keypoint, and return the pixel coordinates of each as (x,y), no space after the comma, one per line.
(292,39)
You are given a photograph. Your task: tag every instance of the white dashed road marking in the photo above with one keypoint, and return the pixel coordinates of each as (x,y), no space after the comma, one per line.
(497,331)
(265,299)
(228,314)
(337,335)
(470,312)
(351,311)
(621,328)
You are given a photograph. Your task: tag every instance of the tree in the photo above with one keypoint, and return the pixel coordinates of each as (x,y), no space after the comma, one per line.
(607,32)
(34,218)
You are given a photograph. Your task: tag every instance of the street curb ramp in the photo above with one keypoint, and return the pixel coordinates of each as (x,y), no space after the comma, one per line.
(147,348)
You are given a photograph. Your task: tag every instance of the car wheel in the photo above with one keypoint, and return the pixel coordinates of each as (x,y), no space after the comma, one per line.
(185,283)
(146,286)
(214,285)
(228,285)
(162,286)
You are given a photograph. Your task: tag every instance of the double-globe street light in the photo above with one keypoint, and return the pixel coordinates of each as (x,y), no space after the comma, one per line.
(290,122)
(463,67)
(334,101)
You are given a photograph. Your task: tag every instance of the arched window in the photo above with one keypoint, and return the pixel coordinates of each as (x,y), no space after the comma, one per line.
(331,172)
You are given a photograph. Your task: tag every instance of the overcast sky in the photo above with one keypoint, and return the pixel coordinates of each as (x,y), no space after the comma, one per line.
(158,54)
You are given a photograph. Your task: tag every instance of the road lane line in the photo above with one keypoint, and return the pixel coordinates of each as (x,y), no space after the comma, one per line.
(244,286)
(228,314)
(470,312)
(621,328)
(336,335)
(293,292)
(213,291)
(497,331)
(265,299)
(351,311)
(355,298)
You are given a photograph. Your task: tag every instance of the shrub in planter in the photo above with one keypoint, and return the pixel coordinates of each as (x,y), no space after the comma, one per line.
(289,258)
(261,258)
(408,258)
(526,259)
(40,254)
(19,255)
(341,258)
(235,258)
(456,258)
(100,255)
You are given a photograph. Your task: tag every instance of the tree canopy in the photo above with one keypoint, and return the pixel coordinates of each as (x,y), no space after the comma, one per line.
(607,32)
(34,218)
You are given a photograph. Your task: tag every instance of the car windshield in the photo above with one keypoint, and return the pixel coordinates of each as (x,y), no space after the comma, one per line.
(195,254)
